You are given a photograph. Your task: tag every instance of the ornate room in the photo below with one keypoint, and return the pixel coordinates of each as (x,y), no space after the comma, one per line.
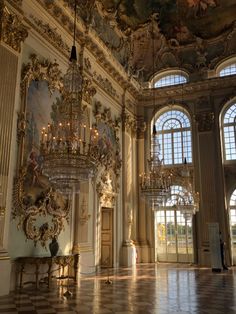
(117,156)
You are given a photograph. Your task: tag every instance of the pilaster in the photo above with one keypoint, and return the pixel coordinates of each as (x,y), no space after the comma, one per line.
(12,33)
(209,179)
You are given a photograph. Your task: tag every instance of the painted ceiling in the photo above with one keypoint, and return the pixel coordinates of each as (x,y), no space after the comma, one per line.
(149,35)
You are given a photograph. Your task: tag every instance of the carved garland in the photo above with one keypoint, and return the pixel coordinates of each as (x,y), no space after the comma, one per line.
(43,219)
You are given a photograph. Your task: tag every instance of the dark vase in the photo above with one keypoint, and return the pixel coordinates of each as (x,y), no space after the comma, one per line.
(54,247)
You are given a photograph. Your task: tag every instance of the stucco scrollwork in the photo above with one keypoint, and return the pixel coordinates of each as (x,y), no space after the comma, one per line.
(39,70)
(106,190)
(108,128)
(40,211)
(12,31)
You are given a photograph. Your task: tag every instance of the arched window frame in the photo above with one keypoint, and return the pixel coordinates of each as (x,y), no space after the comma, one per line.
(231,125)
(172,72)
(189,156)
(225,64)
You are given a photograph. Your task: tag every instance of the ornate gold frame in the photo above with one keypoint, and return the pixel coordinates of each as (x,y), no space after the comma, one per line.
(28,214)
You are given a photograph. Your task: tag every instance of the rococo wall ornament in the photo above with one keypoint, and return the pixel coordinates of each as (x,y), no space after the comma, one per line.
(108,128)
(110,161)
(40,210)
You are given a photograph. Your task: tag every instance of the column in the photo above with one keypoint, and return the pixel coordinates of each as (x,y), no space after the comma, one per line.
(129,177)
(12,33)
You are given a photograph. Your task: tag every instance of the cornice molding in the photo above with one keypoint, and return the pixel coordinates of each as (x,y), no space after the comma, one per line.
(187,89)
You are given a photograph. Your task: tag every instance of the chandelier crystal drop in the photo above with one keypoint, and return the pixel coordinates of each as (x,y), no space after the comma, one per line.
(156,182)
(69,145)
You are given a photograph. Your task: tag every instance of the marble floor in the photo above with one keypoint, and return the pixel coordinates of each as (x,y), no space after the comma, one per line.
(147,288)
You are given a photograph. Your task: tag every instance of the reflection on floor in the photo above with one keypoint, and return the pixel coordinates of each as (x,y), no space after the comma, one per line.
(149,288)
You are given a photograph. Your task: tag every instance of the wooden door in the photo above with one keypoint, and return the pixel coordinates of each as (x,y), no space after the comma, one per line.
(107,237)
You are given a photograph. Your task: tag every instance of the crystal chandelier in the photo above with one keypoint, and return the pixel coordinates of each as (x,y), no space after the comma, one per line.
(69,146)
(187,200)
(155,184)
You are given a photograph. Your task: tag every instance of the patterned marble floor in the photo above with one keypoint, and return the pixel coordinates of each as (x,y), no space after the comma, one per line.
(149,288)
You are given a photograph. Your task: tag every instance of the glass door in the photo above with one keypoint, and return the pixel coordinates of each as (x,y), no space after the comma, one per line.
(174,241)
(232,219)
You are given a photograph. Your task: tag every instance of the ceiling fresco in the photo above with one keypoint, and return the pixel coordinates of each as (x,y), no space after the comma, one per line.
(148,35)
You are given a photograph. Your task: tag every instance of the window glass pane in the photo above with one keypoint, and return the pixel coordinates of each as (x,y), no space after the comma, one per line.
(169,80)
(174,133)
(229,70)
(229,126)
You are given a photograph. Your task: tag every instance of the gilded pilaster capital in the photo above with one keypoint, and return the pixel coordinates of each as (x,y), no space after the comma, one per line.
(129,123)
(141,128)
(12,30)
(205,121)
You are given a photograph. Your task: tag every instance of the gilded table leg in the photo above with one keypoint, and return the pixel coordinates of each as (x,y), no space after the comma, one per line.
(22,267)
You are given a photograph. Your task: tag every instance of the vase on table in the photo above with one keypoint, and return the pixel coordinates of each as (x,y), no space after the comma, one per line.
(54,247)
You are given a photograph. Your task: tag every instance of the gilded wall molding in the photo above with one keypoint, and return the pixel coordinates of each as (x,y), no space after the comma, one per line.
(12,32)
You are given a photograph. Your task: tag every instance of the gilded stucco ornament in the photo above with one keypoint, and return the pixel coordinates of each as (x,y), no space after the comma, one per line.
(40,211)
(110,162)
(12,31)
(106,189)
(39,70)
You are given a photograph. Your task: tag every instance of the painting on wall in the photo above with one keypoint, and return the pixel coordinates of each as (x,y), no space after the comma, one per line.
(107,139)
(38,115)
(40,209)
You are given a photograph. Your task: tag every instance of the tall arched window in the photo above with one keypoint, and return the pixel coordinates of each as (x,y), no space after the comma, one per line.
(229,132)
(174,134)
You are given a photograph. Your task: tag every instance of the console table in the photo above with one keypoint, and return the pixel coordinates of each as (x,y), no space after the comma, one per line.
(68,261)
